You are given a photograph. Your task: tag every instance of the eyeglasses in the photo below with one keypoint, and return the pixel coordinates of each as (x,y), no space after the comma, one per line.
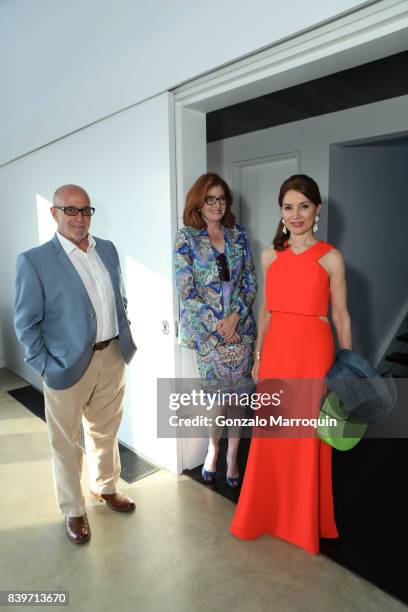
(73,211)
(222,265)
(210,200)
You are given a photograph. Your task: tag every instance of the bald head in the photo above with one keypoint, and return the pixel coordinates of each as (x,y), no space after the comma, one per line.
(72,226)
(66,192)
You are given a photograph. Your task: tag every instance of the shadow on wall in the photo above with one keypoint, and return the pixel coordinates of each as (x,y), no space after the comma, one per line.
(8,342)
(359,292)
(14,351)
(2,362)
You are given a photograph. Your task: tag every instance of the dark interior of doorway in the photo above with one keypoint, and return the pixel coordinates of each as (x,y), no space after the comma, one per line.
(371,509)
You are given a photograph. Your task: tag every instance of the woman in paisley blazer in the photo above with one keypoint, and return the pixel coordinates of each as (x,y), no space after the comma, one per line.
(216,281)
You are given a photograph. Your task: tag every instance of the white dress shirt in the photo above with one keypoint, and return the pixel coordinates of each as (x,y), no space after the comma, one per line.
(98,285)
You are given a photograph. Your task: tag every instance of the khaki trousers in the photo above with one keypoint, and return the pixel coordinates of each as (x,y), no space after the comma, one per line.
(96,401)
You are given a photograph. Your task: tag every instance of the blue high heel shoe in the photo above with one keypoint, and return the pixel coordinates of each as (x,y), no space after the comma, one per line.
(208,477)
(233,483)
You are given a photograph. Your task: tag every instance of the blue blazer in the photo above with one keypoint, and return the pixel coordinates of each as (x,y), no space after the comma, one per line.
(54,317)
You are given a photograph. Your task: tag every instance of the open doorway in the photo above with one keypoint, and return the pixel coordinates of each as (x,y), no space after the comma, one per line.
(366,35)
(256,162)
(363,190)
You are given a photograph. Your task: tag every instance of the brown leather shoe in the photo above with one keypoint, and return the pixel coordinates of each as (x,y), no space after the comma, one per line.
(77,528)
(116,501)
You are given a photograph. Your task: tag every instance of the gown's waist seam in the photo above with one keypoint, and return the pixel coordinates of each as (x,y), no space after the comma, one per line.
(302,314)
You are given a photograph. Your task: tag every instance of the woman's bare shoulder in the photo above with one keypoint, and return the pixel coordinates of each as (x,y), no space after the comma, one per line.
(333,258)
(333,262)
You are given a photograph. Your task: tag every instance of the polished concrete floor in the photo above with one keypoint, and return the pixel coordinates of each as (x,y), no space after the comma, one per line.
(174,554)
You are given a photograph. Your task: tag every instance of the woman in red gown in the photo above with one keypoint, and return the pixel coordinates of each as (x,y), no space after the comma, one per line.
(287,489)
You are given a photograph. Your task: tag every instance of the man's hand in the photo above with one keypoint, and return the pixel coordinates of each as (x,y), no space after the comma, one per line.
(227,326)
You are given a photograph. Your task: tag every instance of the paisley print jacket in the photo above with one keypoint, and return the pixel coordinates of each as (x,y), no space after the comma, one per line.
(200,288)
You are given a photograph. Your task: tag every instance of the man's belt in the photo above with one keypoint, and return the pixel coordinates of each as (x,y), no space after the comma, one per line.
(99,346)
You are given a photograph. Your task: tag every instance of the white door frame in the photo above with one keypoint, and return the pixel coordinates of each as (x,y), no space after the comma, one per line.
(364,34)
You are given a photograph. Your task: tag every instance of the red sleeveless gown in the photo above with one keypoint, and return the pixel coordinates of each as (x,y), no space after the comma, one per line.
(287,488)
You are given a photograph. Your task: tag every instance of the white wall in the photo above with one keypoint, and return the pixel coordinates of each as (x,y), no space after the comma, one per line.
(125,163)
(2,359)
(312,139)
(67,64)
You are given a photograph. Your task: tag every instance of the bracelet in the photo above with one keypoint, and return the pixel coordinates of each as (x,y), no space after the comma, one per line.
(257,355)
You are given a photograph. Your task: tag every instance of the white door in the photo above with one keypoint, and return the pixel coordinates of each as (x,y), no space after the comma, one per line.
(256,183)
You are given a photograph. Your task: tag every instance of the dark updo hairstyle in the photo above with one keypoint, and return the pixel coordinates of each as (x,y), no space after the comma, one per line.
(196,197)
(304,184)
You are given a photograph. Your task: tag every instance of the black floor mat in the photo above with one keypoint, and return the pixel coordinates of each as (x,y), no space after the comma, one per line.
(133,466)
(371,509)
(31,399)
(220,485)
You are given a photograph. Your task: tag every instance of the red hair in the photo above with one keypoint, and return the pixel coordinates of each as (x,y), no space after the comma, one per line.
(196,197)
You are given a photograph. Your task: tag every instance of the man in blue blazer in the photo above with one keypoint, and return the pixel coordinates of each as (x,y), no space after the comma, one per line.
(70,317)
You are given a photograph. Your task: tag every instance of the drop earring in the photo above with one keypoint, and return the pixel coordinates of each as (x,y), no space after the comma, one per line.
(316,227)
(285,231)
